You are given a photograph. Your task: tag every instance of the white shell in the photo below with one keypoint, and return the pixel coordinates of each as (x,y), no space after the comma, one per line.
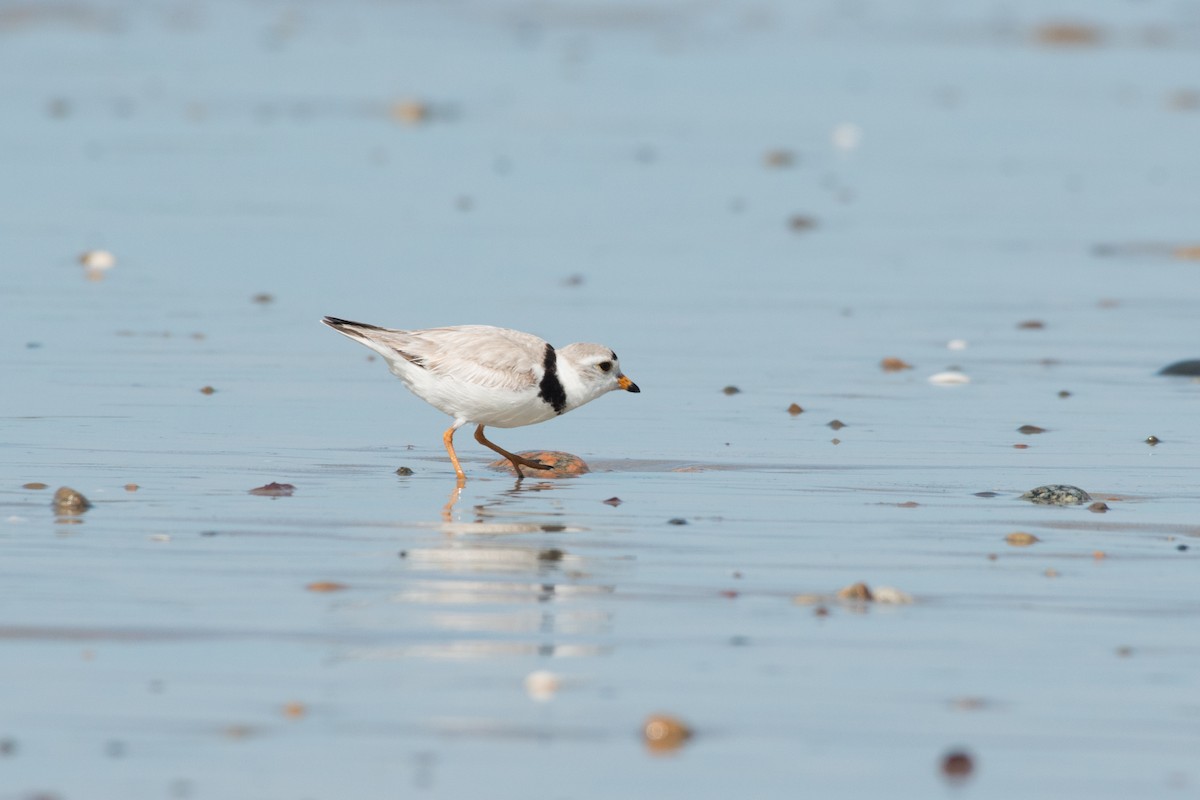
(949,379)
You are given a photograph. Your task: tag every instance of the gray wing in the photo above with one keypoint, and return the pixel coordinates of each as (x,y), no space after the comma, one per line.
(477,354)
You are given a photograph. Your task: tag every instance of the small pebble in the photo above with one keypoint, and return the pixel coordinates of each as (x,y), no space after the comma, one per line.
(1099,555)
(779,158)
(956,344)
(1124,651)
(1021,539)
(846,136)
(1051,573)
(1029,430)
(1152,440)
(889,595)
(891,364)
(1064,394)
(1183,548)
(795,410)
(1057,495)
(35,486)
(1098,507)
(855,591)
(957,765)
(70,502)
(274,490)
(1020,447)
(836,424)
(98,259)
(612,501)
(663,733)
(207,390)
(294,710)
(820,611)
(731,390)
(800,222)
(326,586)
(949,378)
(263,298)
(404,471)
(1189,368)
(677,521)
(131,487)
(410,112)
(987,494)
(1031,325)
(542,685)
(160,537)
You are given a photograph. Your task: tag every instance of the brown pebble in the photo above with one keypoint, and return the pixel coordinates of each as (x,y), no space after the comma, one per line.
(1124,651)
(836,424)
(855,591)
(612,501)
(891,364)
(779,158)
(820,611)
(1020,447)
(263,298)
(131,487)
(1030,429)
(1064,394)
(1098,507)
(728,593)
(35,486)
(1152,440)
(992,556)
(326,586)
(562,465)
(1021,539)
(274,490)
(731,390)
(908,504)
(1067,34)
(404,472)
(835,441)
(410,112)
(663,733)
(1031,325)
(70,502)
(1187,253)
(795,410)
(957,765)
(294,710)
(1099,555)
(799,223)
(208,390)
(1051,573)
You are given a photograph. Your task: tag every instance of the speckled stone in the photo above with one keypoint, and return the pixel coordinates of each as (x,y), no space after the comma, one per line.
(562,465)
(1057,495)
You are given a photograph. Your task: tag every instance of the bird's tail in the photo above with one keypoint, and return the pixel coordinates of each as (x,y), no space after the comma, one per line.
(355,330)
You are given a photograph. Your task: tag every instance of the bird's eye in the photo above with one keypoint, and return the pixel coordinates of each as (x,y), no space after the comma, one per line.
(605,366)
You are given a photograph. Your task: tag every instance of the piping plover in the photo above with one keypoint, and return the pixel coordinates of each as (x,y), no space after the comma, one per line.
(491,376)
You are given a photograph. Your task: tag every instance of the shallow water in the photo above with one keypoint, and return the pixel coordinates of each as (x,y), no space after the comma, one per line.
(598,172)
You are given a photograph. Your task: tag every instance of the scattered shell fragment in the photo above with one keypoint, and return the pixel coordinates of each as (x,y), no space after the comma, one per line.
(1153,440)
(34,486)
(731,390)
(795,410)
(207,390)
(956,344)
(892,364)
(160,537)
(663,733)
(846,136)
(131,487)
(542,685)
(855,591)
(1029,430)
(97,259)
(1189,368)
(562,465)
(1021,539)
(1057,494)
(69,502)
(326,586)
(1098,507)
(836,424)
(957,765)
(273,489)
(612,501)
(949,378)
(890,595)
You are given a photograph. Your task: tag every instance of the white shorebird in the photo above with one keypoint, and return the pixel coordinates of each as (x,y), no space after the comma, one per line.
(491,376)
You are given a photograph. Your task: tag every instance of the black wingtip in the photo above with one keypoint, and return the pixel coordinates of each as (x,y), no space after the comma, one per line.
(339,323)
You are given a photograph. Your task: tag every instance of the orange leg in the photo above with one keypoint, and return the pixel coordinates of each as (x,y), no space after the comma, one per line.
(517,461)
(448,440)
